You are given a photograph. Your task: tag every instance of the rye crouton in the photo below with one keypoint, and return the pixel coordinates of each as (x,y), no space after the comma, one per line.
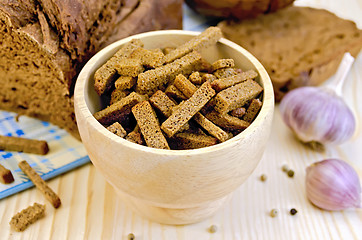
(6,176)
(252,110)
(186,140)
(196,78)
(225,72)
(105,75)
(19,144)
(129,67)
(222,83)
(173,92)
(162,103)
(118,94)
(207,38)
(117,129)
(40,184)
(207,77)
(135,136)
(149,58)
(150,128)
(188,109)
(184,85)
(211,128)
(236,96)
(222,63)
(125,82)
(227,122)
(20,221)
(118,111)
(152,80)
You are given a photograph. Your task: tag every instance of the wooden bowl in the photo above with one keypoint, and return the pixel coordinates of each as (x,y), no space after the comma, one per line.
(173,186)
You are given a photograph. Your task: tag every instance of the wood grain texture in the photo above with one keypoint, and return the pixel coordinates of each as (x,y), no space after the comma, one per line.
(91,208)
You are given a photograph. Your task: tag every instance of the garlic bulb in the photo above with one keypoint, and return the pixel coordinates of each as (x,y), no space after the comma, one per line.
(317,115)
(333,184)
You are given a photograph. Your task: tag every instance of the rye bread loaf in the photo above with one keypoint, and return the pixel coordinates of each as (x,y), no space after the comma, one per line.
(298,46)
(44,44)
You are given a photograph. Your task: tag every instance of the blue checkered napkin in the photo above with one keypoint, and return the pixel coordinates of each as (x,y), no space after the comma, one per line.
(66,153)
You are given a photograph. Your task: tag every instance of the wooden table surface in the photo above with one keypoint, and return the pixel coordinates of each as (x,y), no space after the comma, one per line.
(91,209)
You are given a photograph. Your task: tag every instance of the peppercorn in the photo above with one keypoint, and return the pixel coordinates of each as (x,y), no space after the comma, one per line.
(274,212)
(290,173)
(285,168)
(212,228)
(263,178)
(293,211)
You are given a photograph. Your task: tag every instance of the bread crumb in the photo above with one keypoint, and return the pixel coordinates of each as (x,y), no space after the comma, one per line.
(20,221)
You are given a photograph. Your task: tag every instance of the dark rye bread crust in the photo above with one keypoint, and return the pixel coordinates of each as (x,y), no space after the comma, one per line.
(298,46)
(44,44)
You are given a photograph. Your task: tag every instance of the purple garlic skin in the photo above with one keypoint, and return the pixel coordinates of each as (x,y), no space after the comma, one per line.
(317,115)
(333,184)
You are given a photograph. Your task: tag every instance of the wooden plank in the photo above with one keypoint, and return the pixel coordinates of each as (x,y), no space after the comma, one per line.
(91,208)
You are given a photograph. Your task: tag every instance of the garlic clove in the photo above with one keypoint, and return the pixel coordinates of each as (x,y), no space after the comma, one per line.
(333,184)
(317,115)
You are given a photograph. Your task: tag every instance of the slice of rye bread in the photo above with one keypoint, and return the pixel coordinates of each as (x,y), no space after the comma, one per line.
(298,46)
(44,44)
